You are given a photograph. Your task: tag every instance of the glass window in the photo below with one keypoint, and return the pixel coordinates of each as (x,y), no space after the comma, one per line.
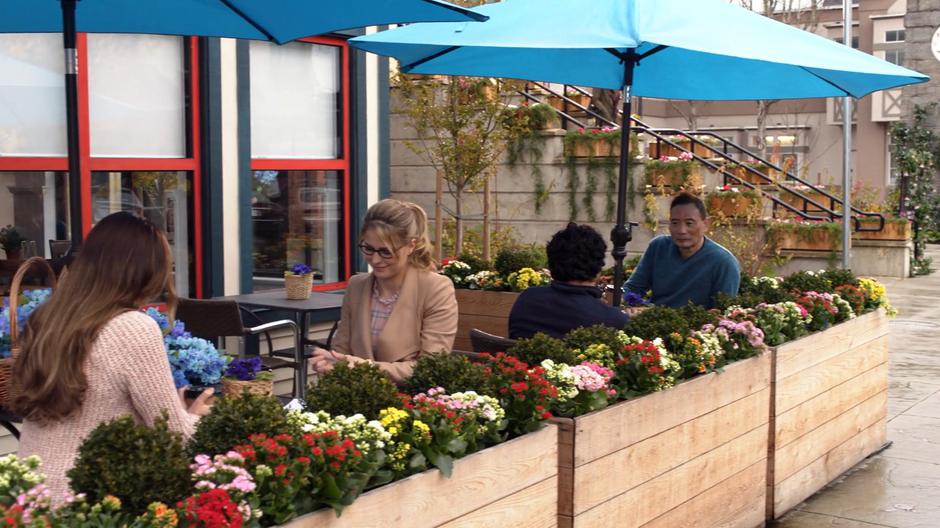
(159,196)
(895,56)
(137,96)
(895,35)
(32,95)
(295,101)
(296,216)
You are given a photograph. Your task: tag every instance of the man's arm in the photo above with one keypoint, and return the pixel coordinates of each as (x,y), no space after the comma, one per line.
(641,280)
(727,278)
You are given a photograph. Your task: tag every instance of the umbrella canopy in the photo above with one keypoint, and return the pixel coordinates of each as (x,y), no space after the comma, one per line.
(279,21)
(276,20)
(679,49)
(707,49)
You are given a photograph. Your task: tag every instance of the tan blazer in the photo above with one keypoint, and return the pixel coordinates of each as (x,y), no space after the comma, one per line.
(424,319)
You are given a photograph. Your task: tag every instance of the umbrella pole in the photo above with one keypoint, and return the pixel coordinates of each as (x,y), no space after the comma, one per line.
(621,234)
(71,112)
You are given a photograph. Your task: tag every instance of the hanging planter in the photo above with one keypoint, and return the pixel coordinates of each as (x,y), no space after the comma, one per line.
(748,176)
(807,236)
(673,172)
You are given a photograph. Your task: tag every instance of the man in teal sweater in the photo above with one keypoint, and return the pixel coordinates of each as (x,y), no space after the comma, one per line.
(686,266)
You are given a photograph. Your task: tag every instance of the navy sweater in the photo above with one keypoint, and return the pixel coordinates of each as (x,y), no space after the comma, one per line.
(676,281)
(559,308)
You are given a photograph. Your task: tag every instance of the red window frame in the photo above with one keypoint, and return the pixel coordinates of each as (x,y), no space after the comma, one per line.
(89,164)
(341,164)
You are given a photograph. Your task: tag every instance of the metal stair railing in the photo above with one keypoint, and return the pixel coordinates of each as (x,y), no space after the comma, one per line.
(661,135)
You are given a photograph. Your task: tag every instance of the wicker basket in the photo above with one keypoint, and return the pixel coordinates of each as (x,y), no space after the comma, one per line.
(298,286)
(234,387)
(6,364)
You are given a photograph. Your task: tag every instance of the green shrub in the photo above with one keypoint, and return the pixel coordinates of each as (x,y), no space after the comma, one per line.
(839,277)
(805,281)
(755,290)
(477,264)
(135,463)
(233,419)
(585,336)
(347,390)
(697,316)
(540,347)
(454,372)
(514,258)
(657,321)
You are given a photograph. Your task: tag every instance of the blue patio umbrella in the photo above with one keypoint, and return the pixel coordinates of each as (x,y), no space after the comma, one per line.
(686,49)
(278,21)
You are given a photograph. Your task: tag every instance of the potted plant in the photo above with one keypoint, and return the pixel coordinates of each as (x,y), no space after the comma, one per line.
(246,375)
(194,362)
(732,202)
(11,240)
(298,280)
(672,171)
(543,117)
(593,143)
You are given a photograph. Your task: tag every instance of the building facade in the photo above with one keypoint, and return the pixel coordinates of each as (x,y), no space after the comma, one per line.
(251,156)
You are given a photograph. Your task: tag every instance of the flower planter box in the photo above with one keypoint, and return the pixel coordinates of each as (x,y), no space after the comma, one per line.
(750,177)
(691,455)
(559,103)
(891,231)
(737,205)
(829,407)
(593,148)
(805,239)
(797,202)
(510,484)
(665,149)
(672,176)
(486,310)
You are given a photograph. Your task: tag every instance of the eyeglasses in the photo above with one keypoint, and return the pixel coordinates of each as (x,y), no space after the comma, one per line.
(368,251)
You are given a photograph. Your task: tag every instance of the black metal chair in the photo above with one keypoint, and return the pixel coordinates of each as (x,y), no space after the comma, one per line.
(58,248)
(215,319)
(484,342)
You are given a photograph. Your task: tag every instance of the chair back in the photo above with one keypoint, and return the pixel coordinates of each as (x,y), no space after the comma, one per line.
(58,248)
(210,318)
(484,342)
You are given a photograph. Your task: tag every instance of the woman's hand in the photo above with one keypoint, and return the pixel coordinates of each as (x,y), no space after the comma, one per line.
(323,360)
(201,405)
(634,311)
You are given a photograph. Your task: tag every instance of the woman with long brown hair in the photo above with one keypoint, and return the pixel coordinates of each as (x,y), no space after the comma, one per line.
(403,308)
(89,355)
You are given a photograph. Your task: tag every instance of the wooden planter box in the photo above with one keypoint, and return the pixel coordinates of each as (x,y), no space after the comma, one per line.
(797,202)
(559,103)
(754,179)
(510,484)
(734,205)
(672,176)
(691,455)
(811,240)
(829,407)
(596,148)
(665,149)
(486,310)
(891,231)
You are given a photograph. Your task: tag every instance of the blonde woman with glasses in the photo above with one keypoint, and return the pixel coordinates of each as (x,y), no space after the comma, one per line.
(401,309)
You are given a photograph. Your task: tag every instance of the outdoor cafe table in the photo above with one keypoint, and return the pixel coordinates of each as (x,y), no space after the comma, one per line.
(300,310)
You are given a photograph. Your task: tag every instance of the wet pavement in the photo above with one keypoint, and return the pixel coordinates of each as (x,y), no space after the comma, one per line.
(900,487)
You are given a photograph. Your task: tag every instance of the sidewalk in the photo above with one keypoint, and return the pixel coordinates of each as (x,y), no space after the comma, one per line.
(899,488)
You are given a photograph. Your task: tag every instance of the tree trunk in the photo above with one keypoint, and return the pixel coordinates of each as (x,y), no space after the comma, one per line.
(439,215)
(486,218)
(458,236)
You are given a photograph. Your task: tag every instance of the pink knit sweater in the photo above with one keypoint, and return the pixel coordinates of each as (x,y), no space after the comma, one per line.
(128,375)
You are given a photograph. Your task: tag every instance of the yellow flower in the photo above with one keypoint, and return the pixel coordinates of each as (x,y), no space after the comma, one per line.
(422,428)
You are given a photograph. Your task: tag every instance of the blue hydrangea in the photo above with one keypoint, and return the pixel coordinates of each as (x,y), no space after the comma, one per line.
(193,360)
(29,300)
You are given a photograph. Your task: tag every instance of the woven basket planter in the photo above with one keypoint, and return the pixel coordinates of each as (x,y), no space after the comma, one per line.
(234,387)
(298,286)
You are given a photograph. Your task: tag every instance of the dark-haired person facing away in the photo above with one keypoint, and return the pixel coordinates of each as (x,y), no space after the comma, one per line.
(575,258)
(686,266)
